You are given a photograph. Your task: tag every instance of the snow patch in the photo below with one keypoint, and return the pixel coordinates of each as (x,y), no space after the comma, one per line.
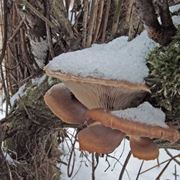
(109,169)
(21,92)
(176,20)
(117,60)
(144,113)
(9,159)
(39,80)
(174,8)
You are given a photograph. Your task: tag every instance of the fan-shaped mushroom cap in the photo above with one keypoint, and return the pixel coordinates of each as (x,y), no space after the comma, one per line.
(100,139)
(105,76)
(144,148)
(101,93)
(62,103)
(133,127)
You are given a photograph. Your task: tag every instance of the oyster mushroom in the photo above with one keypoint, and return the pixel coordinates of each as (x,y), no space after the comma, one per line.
(105,76)
(141,125)
(100,139)
(110,81)
(100,93)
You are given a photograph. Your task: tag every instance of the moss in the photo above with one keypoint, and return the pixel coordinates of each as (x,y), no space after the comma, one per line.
(34,141)
(164,77)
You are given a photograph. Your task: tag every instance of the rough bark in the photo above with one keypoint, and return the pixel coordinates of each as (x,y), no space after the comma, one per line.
(30,133)
(161,33)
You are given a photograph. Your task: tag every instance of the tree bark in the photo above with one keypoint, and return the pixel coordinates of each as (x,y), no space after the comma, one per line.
(161,33)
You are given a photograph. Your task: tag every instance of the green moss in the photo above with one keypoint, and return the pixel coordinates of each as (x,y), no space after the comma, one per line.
(35,139)
(164,77)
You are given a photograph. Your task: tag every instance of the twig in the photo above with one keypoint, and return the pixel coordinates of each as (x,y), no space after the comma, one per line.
(124,166)
(99,20)
(178,155)
(48,31)
(165,167)
(93,167)
(172,156)
(5,30)
(108,5)
(85,20)
(36,12)
(17,29)
(94,9)
(72,155)
(137,177)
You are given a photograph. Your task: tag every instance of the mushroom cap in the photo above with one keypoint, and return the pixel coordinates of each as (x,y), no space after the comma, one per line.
(103,93)
(99,139)
(111,79)
(143,148)
(64,105)
(133,128)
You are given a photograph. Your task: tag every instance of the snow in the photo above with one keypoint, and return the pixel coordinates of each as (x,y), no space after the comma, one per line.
(118,60)
(174,8)
(83,168)
(144,113)
(9,159)
(176,19)
(21,92)
(39,80)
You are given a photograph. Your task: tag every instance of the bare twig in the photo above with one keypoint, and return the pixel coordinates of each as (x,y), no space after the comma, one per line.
(175,160)
(36,12)
(85,21)
(108,5)
(178,155)
(17,29)
(137,177)
(94,9)
(99,20)
(165,167)
(5,30)
(124,166)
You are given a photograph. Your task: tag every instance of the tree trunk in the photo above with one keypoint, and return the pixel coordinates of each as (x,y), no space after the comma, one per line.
(33,33)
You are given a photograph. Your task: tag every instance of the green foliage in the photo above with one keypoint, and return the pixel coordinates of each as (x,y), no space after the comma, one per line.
(164,76)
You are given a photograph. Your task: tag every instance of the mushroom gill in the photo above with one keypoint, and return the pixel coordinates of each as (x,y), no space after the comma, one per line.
(102,93)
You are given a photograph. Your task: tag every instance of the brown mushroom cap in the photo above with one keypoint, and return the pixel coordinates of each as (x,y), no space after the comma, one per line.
(62,103)
(100,139)
(143,148)
(102,93)
(133,128)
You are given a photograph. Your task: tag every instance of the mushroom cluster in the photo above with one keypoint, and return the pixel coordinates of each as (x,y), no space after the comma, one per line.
(108,109)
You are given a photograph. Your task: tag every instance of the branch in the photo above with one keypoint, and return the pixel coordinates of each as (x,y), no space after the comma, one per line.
(161,34)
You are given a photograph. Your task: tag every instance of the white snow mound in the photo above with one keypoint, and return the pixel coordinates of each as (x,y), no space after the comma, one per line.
(119,59)
(144,113)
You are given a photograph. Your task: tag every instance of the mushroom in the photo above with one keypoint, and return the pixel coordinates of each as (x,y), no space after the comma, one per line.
(109,81)
(100,139)
(140,131)
(143,148)
(64,105)
(99,93)
(134,127)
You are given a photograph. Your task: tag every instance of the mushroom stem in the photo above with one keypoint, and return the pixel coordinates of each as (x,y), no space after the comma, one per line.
(131,127)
